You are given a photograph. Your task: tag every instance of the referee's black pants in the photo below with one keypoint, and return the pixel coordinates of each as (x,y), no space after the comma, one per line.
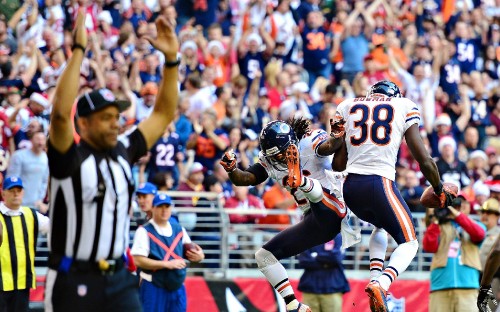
(92,292)
(14,300)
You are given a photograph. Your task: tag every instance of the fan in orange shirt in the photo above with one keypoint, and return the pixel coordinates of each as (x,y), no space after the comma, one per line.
(278,198)
(217,57)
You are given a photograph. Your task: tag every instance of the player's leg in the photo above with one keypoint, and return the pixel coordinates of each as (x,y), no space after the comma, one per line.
(360,198)
(377,249)
(319,225)
(399,223)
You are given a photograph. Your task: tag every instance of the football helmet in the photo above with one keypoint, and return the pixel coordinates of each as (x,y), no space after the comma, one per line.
(385,87)
(274,139)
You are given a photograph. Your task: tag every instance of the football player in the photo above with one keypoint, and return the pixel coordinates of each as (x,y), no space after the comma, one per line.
(490,268)
(296,157)
(374,127)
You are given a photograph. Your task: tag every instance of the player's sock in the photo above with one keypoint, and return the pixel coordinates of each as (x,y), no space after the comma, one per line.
(275,273)
(376,267)
(378,248)
(293,304)
(399,262)
(312,189)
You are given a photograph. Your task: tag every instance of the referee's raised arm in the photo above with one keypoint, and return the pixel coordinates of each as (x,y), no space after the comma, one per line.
(61,126)
(166,102)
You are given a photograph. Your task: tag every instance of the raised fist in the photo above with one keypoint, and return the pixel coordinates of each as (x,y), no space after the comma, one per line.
(228,161)
(338,126)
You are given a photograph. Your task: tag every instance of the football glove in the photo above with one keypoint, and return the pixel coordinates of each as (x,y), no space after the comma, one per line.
(338,127)
(485,294)
(228,161)
(445,196)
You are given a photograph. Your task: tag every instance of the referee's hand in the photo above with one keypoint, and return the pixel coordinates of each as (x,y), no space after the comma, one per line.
(166,40)
(80,31)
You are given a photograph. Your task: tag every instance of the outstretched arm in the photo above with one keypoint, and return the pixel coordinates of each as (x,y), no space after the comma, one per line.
(61,127)
(330,146)
(166,102)
(254,175)
(421,155)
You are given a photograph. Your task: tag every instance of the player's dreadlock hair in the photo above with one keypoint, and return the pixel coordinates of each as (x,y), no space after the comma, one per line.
(300,126)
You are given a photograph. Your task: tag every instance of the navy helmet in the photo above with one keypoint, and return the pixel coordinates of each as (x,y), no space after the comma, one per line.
(275,138)
(384,87)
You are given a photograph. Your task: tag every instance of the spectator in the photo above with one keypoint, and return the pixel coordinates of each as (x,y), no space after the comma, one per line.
(323,282)
(477,165)
(454,239)
(208,140)
(412,191)
(194,183)
(146,103)
(242,201)
(354,41)
(317,45)
(450,168)
(166,155)
(158,250)
(32,166)
(277,197)
(18,223)
(490,214)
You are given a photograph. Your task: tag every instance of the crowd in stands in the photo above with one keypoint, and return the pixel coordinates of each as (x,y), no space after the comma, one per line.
(247,62)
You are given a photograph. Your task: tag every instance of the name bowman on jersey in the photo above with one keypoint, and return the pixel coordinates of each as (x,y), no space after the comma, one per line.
(374,130)
(313,166)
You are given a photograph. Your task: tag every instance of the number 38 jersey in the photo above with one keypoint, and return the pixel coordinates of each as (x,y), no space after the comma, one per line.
(374,130)
(312,165)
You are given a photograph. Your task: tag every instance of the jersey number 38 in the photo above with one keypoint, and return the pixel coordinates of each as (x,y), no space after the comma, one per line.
(380,117)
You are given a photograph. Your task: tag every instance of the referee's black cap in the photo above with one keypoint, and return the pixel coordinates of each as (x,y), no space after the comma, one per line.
(91,102)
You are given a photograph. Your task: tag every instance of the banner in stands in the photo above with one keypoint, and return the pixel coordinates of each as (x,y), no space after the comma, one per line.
(257,295)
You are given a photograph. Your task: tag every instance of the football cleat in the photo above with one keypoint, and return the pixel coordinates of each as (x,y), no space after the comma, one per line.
(301,308)
(378,297)
(293,164)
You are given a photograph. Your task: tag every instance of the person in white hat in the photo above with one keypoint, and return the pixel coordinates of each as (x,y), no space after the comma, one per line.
(450,167)
(444,127)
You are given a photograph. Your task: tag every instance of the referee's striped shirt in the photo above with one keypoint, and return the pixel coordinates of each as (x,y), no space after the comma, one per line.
(90,196)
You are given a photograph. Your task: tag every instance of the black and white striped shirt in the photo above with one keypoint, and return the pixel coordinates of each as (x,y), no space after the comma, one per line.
(90,196)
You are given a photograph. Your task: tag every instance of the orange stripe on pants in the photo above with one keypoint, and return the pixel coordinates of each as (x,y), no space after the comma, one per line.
(399,211)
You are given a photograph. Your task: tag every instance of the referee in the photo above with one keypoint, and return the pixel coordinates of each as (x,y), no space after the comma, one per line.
(92,185)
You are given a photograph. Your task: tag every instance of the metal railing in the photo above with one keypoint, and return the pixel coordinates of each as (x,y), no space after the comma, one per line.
(231,247)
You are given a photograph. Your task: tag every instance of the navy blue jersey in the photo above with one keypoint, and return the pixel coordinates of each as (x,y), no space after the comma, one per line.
(250,63)
(450,77)
(163,155)
(147,77)
(21,140)
(467,53)
(480,114)
(317,43)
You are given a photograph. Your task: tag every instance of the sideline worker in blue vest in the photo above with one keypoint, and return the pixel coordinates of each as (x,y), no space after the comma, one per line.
(158,251)
(21,226)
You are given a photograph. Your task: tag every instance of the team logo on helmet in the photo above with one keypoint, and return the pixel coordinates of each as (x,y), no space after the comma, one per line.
(284,128)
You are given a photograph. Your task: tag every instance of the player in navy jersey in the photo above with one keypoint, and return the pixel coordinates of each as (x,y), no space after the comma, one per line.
(374,127)
(296,157)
